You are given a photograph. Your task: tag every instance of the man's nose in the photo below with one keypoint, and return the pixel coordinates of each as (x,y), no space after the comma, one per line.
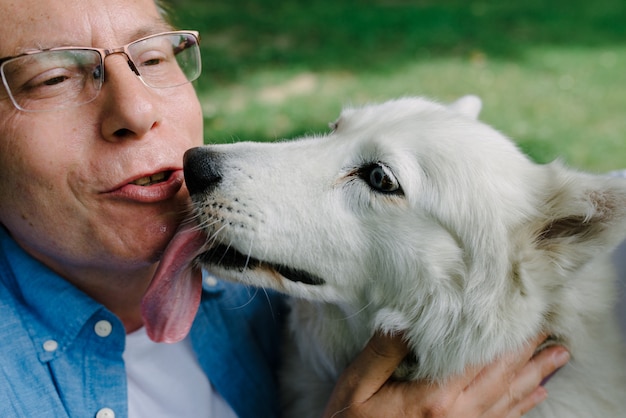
(129,106)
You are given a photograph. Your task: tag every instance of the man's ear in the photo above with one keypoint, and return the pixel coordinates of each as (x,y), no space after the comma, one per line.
(469,106)
(584,215)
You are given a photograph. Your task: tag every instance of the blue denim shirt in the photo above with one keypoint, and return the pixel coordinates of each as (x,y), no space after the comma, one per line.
(57,360)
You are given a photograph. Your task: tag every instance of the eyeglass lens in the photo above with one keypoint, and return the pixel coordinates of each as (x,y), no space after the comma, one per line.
(70,77)
(167,60)
(53,79)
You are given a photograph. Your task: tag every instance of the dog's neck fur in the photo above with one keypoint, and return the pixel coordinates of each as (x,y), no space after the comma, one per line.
(331,348)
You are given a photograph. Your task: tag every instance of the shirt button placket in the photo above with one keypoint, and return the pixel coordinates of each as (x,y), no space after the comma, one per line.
(103,328)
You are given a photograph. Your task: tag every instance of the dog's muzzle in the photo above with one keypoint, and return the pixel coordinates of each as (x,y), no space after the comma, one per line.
(201,166)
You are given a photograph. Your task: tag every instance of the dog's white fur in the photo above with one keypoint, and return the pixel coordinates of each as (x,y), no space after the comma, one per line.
(477,251)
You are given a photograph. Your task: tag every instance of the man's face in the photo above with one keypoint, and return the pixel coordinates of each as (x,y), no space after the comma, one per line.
(66,192)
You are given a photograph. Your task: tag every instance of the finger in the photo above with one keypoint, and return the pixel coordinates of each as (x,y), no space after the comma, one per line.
(367,373)
(493,382)
(540,367)
(532,400)
(375,365)
(525,391)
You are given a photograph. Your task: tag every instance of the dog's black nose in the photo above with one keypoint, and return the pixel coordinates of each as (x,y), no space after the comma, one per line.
(200,166)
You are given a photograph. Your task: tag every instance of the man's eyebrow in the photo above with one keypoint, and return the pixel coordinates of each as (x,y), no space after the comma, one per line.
(156,27)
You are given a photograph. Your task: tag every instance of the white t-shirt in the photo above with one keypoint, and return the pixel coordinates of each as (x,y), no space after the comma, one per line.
(166,380)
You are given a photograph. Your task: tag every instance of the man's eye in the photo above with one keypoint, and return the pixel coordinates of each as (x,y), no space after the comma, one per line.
(51,77)
(153,57)
(153,61)
(54,80)
(52,83)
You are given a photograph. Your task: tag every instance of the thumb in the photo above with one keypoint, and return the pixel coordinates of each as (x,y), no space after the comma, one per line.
(371,369)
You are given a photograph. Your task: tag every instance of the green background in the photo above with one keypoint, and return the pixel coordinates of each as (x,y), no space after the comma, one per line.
(551,74)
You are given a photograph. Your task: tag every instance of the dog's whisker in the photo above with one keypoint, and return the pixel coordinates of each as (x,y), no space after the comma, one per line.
(269,302)
(248,253)
(354,314)
(267,297)
(211,240)
(205,223)
(188,212)
(189,218)
(250,299)
(205,226)
(219,262)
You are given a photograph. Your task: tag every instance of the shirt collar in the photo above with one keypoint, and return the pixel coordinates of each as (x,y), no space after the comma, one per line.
(52,309)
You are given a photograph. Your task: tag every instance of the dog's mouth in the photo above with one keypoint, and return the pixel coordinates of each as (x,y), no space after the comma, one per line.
(230,259)
(172,299)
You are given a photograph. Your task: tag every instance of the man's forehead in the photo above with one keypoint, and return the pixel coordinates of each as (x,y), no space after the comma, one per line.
(67,41)
(54,23)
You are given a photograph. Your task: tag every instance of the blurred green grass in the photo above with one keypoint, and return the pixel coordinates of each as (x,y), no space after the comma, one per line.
(551,74)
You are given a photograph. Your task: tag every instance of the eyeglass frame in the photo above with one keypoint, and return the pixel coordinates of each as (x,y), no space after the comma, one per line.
(103,52)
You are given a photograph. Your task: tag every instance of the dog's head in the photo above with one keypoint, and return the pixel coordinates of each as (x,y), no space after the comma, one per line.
(409,206)
(321,214)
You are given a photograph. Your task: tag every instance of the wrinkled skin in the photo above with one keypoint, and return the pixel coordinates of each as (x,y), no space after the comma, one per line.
(60,194)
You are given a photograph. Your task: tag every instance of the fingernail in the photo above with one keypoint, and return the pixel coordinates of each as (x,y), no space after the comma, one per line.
(561,357)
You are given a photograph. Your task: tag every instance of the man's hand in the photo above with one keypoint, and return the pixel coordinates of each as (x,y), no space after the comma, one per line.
(507,388)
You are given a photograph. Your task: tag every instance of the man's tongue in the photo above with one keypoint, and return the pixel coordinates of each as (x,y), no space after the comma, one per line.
(171,301)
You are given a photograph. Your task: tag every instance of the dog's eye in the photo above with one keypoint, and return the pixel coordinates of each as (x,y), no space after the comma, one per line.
(381,178)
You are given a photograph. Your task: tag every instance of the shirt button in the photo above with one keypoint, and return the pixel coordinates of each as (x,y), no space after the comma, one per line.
(103,328)
(210,281)
(105,413)
(50,346)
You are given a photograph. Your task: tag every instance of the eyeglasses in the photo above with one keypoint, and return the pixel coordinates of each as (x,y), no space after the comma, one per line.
(66,77)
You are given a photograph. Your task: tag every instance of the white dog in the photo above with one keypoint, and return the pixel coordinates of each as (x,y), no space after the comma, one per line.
(412,216)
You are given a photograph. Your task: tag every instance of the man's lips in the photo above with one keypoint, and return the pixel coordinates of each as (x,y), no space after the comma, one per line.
(152,179)
(155,187)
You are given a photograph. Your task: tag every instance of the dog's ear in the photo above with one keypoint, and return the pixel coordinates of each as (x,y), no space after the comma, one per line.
(584,215)
(469,106)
